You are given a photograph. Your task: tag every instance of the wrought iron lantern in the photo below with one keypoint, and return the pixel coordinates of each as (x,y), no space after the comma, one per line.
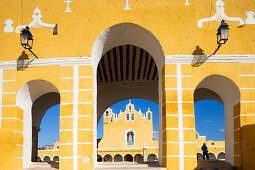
(26,39)
(222,34)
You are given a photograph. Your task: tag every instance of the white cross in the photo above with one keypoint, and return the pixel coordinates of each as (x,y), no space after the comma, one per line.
(68,8)
(127,6)
(187,3)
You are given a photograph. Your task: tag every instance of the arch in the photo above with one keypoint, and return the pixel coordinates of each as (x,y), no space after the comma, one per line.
(221,156)
(127,139)
(127,116)
(152,157)
(212,156)
(128,157)
(55,158)
(199,156)
(118,158)
(99,158)
(224,90)
(120,35)
(46,158)
(127,33)
(30,98)
(108,158)
(138,158)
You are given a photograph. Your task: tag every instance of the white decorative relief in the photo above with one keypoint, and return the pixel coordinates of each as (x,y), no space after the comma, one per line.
(250,17)
(187,3)
(127,6)
(68,8)
(36,23)
(220,15)
(8,28)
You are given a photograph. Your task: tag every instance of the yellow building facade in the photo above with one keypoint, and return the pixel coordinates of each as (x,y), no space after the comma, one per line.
(95,53)
(128,136)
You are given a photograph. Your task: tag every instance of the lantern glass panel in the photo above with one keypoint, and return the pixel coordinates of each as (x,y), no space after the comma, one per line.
(224,34)
(24,39)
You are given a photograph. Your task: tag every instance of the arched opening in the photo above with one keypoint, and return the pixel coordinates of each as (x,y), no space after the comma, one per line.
(99,158)
(199,156)
(46,159)
(127,62)
(211,156)
(221,156)
(138,158)
(128,158)
(152,157)
(35,98)
(108,158)
(56,158)
(118,158)
(225,91)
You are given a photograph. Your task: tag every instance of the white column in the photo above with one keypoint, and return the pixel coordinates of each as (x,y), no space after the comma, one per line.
(75,116)
(180,117)
(1,92)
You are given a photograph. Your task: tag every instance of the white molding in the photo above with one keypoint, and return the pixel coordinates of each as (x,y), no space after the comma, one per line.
(1,91)
(188,59)
(11,118)
(247,101)
(75,116)
(180,116)
(68,61)
(8,93)
(7,80)
(169,59)
(18,132)
(65,143)
(248,75)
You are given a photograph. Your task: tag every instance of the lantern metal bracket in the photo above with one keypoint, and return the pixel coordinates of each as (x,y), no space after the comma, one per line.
(33,53)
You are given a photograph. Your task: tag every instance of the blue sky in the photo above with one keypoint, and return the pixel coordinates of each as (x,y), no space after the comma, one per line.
(209,118)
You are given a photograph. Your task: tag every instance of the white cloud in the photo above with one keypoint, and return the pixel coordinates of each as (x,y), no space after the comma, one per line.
(222,130)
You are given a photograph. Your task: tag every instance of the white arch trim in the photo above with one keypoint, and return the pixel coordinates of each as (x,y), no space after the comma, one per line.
(151,154)
(118,154)
(45,156)
(220,152)
(107,154)
(55,156)
(128,154)
(129,130)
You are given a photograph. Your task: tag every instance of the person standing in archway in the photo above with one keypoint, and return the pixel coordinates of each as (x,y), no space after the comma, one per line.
(205,152)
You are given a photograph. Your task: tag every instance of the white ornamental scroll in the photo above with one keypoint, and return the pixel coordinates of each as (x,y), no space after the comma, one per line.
(220,15)
(36,23)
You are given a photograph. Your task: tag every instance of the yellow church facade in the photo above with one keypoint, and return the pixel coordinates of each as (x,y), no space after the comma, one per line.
(92,54)
(128,136)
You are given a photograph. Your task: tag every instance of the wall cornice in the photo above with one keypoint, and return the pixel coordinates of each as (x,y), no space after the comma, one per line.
(169,59)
